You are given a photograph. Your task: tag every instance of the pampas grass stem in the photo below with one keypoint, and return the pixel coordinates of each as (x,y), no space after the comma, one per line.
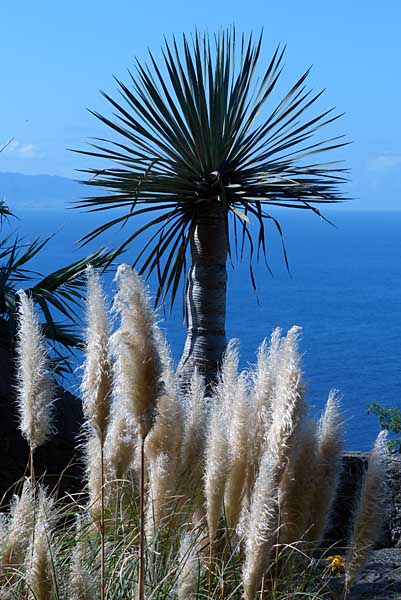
(141,585)
(102,528)
(31,466)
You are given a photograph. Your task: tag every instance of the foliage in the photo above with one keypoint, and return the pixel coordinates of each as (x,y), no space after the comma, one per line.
(293,574)
(184,480)
(196,130)
(58,294)
(390,419)
(4,210)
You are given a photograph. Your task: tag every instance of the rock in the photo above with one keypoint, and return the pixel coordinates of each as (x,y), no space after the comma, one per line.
(379,580)
(394,501)
(354,465)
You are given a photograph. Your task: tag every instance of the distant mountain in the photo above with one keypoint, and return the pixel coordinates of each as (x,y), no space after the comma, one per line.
(48,192)
(51,192)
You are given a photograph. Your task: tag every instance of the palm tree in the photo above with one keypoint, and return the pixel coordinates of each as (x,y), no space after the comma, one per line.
(199,153)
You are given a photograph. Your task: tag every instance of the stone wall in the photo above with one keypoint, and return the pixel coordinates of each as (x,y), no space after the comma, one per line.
(393,517)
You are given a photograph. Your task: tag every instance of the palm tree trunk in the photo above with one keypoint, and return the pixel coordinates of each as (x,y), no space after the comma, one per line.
(205,296)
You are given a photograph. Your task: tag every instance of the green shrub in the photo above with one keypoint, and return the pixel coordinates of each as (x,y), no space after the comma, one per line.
(390,419)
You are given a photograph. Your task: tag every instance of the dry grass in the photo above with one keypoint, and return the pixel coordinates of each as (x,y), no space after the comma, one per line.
(225,483)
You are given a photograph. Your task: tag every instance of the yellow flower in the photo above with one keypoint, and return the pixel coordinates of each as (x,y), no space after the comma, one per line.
(336,563)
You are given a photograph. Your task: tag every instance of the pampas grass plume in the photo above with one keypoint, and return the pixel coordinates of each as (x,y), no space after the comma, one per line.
(216,467)
(19,528)
(120,445)
(137,363)
(238,436)
(166,433)
(262,525)
(40,568)
(81,586)
(162,451)
(328,468)
(263,512)
(96,381)
(94,469)
(194,434)
(81,581)
(188,577)
(34,385)
(217,445)
(298,487)
(369,511)
(264,380)
(163,443)
(288,398)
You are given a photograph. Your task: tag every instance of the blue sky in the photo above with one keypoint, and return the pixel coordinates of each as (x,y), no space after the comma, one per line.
(57,55)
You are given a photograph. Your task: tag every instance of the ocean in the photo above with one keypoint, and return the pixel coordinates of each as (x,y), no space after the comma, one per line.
(344,290)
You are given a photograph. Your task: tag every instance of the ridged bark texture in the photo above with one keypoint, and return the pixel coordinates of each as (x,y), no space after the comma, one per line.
(205,297)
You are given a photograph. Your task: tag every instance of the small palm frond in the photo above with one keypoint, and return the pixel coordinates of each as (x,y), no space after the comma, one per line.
(5,212)
(204,127)
(64,289)
(17,255)
(57,295)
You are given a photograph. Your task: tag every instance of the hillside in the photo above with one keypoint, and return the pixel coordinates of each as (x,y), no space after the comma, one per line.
(38,191)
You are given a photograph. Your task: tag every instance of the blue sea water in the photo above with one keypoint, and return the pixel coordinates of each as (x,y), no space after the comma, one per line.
(344,291)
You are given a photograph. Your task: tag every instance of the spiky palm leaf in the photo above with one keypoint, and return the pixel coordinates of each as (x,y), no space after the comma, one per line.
(4,210)
(57,295)
(197,128)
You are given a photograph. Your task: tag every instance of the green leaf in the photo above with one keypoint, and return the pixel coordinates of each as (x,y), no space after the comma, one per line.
(240,214)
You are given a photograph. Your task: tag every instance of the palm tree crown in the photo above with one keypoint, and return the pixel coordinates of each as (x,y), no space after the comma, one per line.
(195,133)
